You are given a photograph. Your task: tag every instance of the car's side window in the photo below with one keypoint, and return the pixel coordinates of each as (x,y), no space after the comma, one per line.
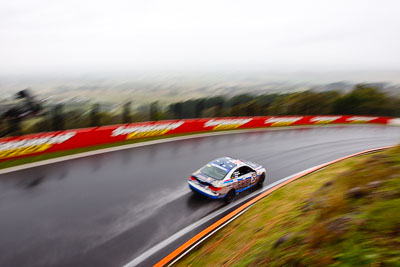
(243,170)
(251,170)
(235,174)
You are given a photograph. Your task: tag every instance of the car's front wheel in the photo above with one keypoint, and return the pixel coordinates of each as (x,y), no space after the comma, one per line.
(261,179)
(230,196)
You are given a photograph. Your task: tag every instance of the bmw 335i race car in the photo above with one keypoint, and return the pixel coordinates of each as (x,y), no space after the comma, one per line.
(226,177)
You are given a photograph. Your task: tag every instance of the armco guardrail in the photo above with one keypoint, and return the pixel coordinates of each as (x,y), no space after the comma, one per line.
(35,144)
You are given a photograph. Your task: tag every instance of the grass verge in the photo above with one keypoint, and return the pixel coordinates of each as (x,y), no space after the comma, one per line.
(345,215)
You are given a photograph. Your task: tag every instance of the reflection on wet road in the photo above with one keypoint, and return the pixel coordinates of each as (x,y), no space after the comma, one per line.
(104,210)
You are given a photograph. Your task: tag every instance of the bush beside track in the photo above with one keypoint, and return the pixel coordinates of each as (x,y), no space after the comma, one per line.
(346,214)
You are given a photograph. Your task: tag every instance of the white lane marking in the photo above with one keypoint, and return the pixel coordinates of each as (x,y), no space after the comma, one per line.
(193,226)
(210,234)
(147,143)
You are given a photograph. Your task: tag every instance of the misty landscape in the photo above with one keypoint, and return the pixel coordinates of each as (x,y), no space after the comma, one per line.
(109,110)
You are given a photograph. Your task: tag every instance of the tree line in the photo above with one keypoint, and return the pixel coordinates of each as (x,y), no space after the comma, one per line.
(364,99)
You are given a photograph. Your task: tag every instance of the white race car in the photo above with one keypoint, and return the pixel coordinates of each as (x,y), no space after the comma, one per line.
(226,177)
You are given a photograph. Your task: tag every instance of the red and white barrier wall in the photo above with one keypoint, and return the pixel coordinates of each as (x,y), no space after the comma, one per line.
(35,144)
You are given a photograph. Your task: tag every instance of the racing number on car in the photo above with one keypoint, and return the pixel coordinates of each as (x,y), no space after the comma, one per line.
(253,177)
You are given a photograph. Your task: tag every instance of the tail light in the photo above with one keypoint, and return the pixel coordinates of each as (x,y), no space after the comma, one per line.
(192,178)
(214,188)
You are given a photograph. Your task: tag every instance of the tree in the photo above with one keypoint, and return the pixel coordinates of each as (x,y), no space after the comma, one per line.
(178,110)
(264,102)
(219,108)
(126,113)
(363,100)
(154,111)
(199,108)
(13,122)
(58,118)
(95,115)
(304,103)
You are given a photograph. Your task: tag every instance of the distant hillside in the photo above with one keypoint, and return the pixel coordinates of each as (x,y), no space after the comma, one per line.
(165,88)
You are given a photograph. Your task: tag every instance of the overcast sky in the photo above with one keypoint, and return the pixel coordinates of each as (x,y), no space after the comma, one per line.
(298,35)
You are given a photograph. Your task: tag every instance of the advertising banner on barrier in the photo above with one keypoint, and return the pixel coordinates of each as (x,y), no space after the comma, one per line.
(35,144)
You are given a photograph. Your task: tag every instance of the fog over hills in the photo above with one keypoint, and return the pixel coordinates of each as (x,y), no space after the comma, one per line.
(145,87)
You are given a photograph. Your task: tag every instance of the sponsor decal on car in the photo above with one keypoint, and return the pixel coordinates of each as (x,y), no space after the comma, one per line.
(34,145)
(324,119)
(226,124)
(146,130)
(282,121)
(360,119)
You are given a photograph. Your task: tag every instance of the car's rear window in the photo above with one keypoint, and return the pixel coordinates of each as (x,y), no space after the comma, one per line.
(213,171)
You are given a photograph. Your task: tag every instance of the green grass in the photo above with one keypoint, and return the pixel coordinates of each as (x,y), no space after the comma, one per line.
(345,215)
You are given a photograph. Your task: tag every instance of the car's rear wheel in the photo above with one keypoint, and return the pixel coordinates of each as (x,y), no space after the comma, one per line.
(261,179)
(230,196)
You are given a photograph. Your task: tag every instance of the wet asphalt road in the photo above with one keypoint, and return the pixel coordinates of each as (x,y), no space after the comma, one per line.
(107,209)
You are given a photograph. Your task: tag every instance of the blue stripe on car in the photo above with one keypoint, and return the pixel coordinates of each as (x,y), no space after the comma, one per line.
(240,190)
